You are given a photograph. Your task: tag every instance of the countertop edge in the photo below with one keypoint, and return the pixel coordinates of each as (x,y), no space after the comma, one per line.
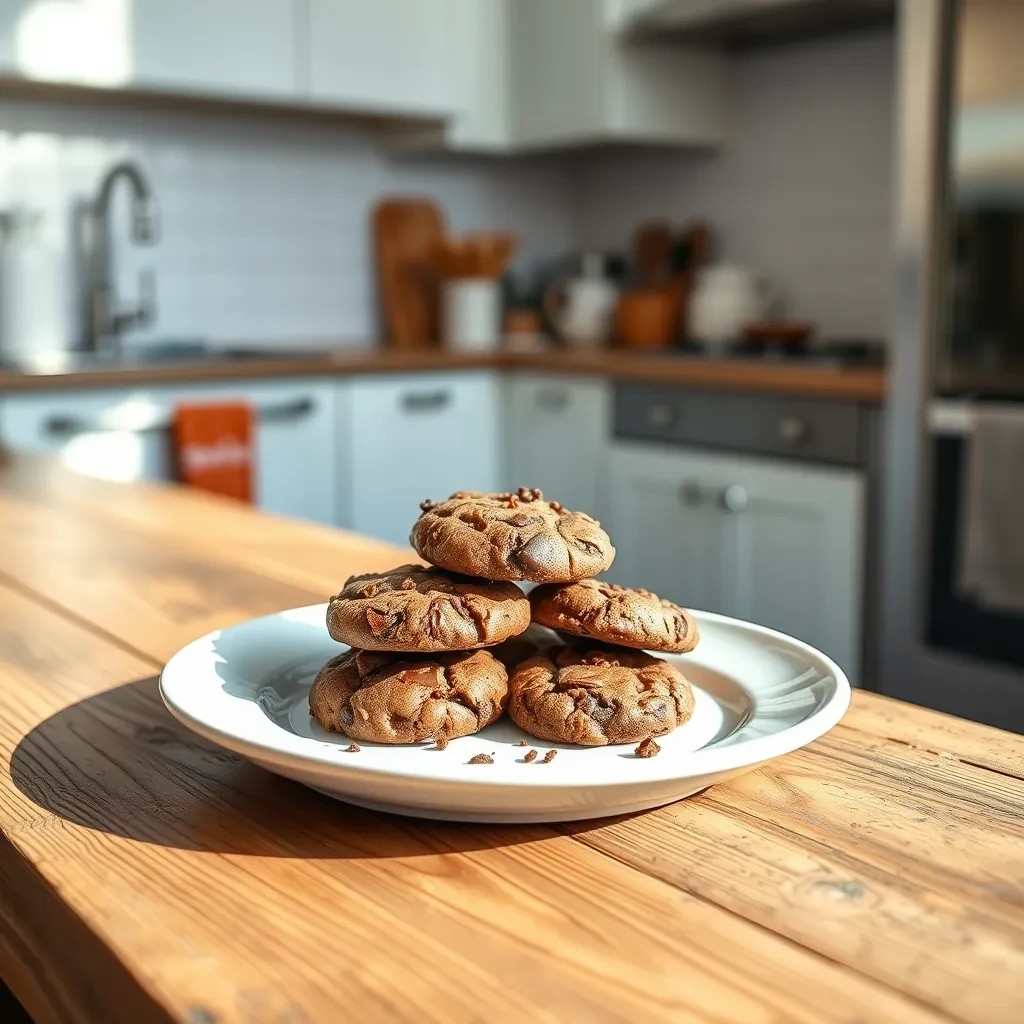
(861,384)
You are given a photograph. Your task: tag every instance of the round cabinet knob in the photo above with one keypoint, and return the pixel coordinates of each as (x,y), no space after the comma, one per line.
(793,429)
(734,498)
(659,415)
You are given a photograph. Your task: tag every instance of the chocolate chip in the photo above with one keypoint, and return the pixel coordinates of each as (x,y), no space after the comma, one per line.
(519,520)
(556,506)
(426,504)
(647,748)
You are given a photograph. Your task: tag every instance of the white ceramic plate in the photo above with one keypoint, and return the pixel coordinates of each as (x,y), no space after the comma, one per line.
(758,693)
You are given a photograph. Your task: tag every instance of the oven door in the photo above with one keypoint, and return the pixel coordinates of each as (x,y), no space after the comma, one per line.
(954,619)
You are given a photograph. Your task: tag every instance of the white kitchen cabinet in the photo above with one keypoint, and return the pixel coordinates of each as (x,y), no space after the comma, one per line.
(555,436)
(122,434)
(775,542)
(412,437)
(224,47)
(575,80)
(389,56)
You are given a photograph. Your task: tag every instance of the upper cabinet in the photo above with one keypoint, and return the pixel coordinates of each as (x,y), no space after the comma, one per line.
(228,47)
(497,75)
(388,56)
(576,80)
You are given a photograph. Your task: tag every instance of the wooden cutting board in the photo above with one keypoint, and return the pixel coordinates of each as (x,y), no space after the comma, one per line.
(406,231)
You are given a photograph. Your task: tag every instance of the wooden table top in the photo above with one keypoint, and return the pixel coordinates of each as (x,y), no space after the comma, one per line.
(876,875)
(807,380)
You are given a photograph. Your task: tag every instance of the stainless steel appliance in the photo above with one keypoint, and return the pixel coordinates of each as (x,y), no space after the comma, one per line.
(104,321)
(959,342)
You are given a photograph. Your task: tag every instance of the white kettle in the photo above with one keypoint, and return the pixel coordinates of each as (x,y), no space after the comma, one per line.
(727,298)
(581,308)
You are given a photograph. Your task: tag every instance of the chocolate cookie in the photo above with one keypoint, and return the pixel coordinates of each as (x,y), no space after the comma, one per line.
(615,615)
(416,608)
(597,696)
(394,698)
(511,537)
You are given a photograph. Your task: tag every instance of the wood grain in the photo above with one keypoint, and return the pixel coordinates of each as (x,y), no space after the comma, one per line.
(224,890)
(856,384)
(877,875)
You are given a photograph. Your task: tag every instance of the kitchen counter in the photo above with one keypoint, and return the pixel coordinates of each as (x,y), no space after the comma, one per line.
(864,384)
(146,875)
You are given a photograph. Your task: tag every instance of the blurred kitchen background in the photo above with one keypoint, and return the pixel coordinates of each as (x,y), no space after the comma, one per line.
(744,278)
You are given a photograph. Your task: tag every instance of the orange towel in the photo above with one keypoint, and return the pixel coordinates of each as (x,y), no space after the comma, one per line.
(215,448)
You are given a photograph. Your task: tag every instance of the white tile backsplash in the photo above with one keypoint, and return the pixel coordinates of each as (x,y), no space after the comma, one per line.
(802,192)
(264,224)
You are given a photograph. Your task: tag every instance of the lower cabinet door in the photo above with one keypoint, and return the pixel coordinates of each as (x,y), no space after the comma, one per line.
(776,543)
(555,432)
(417,437)
(123,434)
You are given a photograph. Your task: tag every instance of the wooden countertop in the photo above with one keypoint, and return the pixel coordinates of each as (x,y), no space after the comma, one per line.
(808,380)
(876,875)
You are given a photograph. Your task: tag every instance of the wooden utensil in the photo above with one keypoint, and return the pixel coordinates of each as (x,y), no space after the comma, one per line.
(405,234)
(652,253)
(482,254)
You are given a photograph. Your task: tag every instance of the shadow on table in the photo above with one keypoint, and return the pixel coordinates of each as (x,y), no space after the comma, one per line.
(118,763)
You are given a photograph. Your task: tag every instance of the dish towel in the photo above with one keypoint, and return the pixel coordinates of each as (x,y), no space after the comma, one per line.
(992,514)
(214,448)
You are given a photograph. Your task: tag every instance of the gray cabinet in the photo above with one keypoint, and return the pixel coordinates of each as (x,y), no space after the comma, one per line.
(556,433)
(777,543)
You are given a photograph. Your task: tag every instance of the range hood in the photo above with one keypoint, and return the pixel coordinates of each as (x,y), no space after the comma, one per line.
(744,24)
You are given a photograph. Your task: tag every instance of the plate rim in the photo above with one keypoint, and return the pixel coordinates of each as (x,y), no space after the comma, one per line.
(696,763)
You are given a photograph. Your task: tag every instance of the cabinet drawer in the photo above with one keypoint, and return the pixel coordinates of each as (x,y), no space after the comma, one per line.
(822,430)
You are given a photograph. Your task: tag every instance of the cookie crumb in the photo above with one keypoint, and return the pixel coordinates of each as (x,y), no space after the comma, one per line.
(647,748)
(549,756)
(522,743)
(519,520)
(530,755)
(481,759)
(426,504)
(364,714)
(353,748)
(440,741)
(408,584)
(369,590)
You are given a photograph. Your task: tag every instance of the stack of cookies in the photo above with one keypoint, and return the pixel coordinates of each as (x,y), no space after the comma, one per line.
(419,669)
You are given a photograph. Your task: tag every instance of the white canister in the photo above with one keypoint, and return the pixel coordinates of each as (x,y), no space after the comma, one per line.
(727,298)
(471,313)
(31,286)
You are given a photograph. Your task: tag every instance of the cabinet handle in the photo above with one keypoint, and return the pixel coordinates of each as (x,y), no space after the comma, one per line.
(734,498)
(660,415)
(71,426)
(425,401)
(552,399)
(793,429)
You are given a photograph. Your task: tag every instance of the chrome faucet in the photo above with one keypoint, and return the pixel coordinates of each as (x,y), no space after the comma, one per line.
(105,323)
